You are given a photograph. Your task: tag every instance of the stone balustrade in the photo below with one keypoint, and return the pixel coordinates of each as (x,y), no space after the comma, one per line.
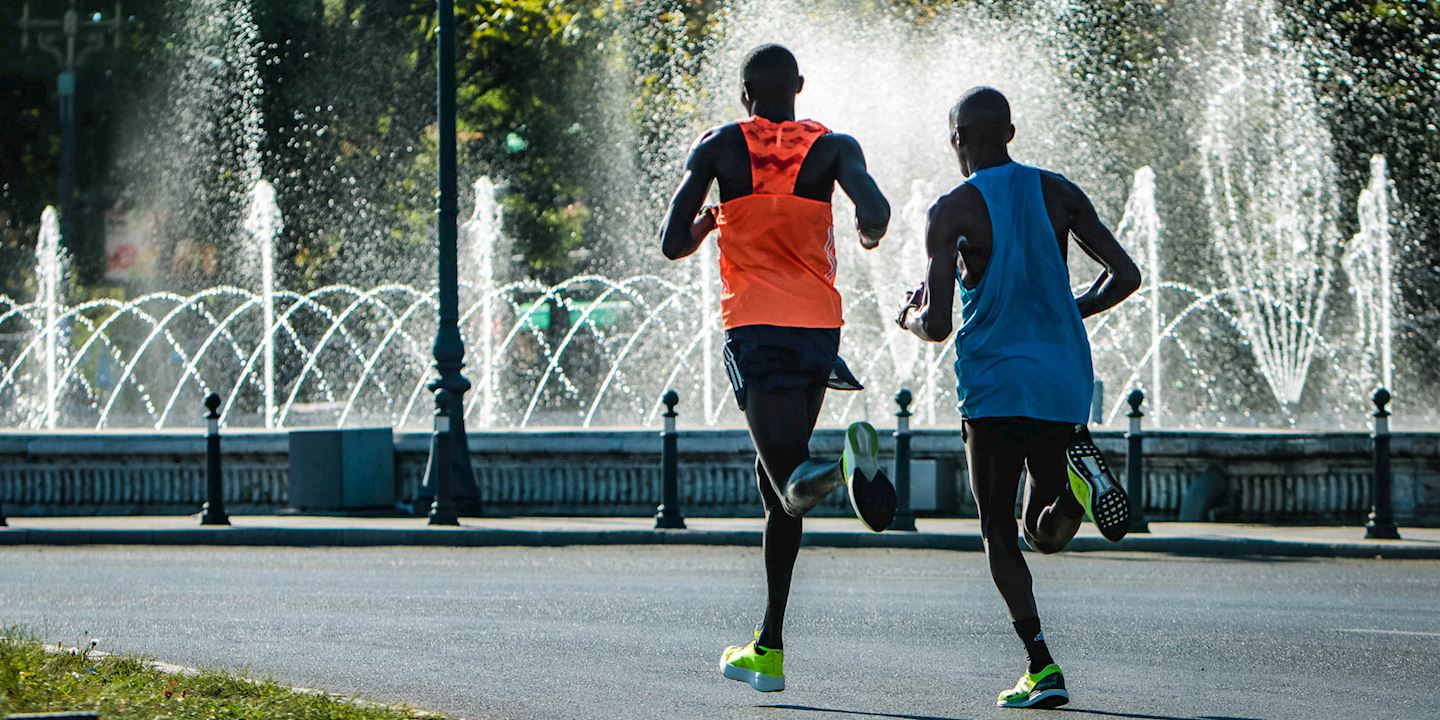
(1281,476)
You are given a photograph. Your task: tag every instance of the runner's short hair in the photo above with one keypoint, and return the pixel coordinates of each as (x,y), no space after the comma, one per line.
(983,110)
(770,72)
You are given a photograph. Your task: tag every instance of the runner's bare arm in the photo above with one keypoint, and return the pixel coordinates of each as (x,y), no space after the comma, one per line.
(1120,276)
(872,210)
(685,227)
(928,310)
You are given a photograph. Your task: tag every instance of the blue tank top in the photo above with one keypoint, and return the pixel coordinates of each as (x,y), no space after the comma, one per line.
(1021,350)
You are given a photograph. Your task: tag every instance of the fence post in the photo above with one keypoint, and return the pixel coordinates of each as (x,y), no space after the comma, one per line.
(442,508)
(1381,524)
(213,512)
(1135,463)
(904,517)
(668,516)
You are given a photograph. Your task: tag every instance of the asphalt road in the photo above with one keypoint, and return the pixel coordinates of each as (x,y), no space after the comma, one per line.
(635,633)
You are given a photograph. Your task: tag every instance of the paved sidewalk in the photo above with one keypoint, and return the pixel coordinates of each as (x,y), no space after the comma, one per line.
(1209,539)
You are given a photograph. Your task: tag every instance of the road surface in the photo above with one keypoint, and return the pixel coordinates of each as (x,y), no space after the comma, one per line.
(635,632)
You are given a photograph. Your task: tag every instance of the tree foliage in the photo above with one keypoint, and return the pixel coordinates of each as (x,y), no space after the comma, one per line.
(525,124)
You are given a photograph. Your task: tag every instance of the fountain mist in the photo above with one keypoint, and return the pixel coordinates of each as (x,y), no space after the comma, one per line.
(599,348)
(1267,162)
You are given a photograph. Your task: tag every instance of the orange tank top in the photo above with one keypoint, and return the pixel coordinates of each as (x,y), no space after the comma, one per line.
(777,250)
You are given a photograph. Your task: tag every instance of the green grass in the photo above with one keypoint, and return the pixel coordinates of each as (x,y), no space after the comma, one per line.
(118,687)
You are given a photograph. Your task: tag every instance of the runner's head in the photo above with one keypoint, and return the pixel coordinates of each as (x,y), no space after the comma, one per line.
(770,77)
(980,124)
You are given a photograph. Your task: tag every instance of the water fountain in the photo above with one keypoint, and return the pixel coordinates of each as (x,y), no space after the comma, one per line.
(262,225)
(1139,230)
(1369,262)
(1267,161)
(480,235)
(599,349)
(50,282)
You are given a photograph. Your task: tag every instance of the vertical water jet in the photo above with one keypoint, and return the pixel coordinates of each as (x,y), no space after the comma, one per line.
(263,223)
(482,238)
(49,278)
(1140,227)
(1369,264)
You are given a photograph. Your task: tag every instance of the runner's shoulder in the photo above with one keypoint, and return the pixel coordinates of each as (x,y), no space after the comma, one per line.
(1057,186)
(837,143)
(715,143)
(721,131)
(962,200)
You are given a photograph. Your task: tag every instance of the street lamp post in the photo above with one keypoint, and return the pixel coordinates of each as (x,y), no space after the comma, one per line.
(70,41)
(449,350)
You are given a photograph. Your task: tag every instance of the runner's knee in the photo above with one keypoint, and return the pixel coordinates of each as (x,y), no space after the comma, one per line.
(768,498)
(777,458)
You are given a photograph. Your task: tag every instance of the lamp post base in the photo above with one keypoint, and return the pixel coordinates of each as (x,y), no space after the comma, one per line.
(464,500)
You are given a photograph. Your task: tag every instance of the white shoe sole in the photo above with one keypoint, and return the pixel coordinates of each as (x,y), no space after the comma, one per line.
(762,683)
(1109,505)
(1047,698)
(867,448)
(862,444)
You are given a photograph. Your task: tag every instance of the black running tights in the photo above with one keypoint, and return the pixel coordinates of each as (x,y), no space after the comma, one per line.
(781,422)
(999,450)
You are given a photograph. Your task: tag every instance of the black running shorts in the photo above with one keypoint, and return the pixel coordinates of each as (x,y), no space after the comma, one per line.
(770,357)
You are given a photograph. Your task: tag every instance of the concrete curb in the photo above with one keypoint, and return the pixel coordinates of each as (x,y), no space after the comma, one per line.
(1212,546)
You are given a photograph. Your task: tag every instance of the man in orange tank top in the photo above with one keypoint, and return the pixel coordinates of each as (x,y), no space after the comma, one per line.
(782,314)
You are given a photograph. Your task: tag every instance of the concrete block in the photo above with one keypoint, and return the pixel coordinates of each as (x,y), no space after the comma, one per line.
(342,469)
(924,494)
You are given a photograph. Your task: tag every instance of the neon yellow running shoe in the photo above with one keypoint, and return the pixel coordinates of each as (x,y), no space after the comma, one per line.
(761,668)
(1044,689)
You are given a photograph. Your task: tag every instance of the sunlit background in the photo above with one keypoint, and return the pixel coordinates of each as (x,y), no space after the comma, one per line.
(253,210)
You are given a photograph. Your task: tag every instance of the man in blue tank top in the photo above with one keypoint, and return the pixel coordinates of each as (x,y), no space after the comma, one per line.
(1023,358)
